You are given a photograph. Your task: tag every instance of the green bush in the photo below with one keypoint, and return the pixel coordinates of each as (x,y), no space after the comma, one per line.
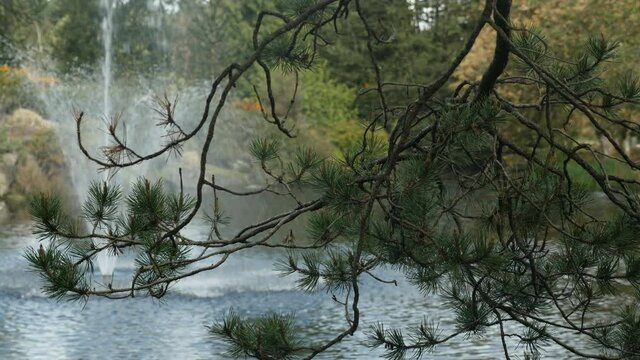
(611,167)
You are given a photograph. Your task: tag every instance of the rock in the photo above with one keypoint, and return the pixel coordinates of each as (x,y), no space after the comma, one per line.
(31,162)
(30,177)
(17,205)
(5,215)
(16,202)
(8,164)
(28,132)
(23,125)
(9,159)
(4,184)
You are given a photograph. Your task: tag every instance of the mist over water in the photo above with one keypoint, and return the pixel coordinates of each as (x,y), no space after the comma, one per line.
(130,103)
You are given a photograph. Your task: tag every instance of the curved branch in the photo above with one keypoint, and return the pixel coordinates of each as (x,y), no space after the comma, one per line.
(501,55)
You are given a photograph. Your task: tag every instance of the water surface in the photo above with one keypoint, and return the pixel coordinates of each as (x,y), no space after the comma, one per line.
(35,327)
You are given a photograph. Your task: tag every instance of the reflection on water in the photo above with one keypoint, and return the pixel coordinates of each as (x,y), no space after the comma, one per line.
(35,327)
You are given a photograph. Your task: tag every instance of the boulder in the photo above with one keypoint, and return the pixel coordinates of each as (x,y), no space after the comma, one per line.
(9,160)
(24,125)
(4,184)
(5,215)
(8,164)
(31,161)
(17,205)
(16,201)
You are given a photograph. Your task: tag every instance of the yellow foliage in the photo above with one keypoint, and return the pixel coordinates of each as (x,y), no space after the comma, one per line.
(567,24)
(247,104)
(476,62)
(11,76)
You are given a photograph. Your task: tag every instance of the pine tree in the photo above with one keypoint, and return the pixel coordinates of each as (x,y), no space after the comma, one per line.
(503,231)
(75,35)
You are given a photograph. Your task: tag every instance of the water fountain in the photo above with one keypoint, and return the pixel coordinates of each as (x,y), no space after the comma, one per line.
(105,260)
(101,95)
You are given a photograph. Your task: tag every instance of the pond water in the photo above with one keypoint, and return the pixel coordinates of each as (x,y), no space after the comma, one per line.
(35,327)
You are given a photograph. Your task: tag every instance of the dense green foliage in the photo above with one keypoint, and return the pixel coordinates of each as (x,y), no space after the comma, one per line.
(76,29)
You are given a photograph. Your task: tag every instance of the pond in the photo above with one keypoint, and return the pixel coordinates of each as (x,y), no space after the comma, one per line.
(35,327)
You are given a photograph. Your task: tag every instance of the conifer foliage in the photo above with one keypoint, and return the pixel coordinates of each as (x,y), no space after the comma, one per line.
(437,189)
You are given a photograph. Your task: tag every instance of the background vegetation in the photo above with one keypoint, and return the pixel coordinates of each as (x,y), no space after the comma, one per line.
(191,40)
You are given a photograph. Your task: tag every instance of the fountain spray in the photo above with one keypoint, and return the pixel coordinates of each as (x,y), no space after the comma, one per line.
(106,261)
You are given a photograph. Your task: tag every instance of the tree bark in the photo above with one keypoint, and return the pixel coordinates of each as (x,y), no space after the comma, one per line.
(501,54)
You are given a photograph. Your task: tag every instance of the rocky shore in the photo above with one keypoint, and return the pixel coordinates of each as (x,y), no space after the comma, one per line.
(31,162)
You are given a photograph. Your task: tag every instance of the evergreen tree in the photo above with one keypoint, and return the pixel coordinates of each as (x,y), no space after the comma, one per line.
(395,29)
(75,39)
(502,230)
(19,25)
